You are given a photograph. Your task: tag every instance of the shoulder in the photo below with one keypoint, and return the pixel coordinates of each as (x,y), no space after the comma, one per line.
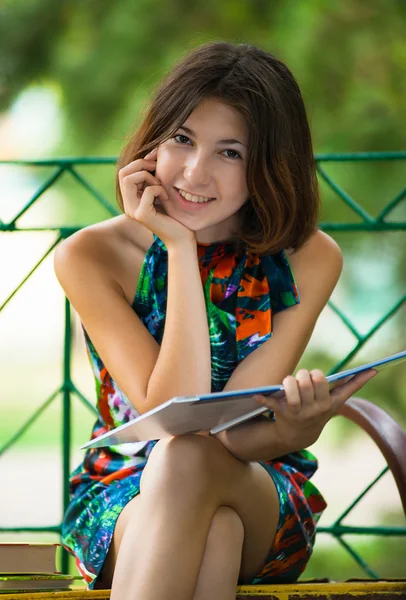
(317,266)
(114,248)
(107,238)
(320,249)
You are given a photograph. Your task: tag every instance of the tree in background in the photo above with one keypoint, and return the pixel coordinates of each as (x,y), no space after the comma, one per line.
(349,58)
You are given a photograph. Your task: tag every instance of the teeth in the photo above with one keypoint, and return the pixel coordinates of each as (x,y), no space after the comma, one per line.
(192,198)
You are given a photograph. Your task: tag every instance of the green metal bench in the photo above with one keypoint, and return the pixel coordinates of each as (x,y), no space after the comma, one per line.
(377,423)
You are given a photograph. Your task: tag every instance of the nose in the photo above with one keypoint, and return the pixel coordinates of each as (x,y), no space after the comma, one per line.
(197,171)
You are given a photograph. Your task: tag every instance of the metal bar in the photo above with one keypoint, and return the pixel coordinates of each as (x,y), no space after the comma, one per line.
(358,559)
(37,229)
(370,227)
(83,399)
(56,162)
(338,530)
(99,197)
(391,205)
(389,314)
(375,226)
(360,156)
(41,190)
(368,335)
(45,529)
(349,356)
(321,157)
(345,197)
(66,419)
(360,496)
(29,422)
(30,273)
(345,320)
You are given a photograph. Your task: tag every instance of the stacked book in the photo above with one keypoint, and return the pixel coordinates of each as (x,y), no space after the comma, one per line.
(31,567)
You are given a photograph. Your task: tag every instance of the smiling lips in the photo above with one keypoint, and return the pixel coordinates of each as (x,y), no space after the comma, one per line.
(192,197)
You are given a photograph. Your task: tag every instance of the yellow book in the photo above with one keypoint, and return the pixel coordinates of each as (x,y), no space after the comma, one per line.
(20,583)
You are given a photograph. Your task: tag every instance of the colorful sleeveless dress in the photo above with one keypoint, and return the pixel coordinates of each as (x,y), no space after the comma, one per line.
(242,293)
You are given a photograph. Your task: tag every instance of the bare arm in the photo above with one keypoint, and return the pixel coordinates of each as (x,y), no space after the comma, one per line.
(183,367)
(317,267)
(86,265)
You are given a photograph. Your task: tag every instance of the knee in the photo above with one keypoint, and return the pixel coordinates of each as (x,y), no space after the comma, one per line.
(181,463)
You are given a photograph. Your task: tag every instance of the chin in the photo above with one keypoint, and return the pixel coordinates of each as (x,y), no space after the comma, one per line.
(189,223)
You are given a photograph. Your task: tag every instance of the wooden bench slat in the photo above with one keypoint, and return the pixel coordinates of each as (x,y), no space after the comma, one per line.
(365,590)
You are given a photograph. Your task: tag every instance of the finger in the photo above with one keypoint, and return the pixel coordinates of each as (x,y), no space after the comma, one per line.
(132,188)
(293,400)
(137,165)
(306,389)
(275,401)
(146,207)
(140,179)
(341,393)
(321,388)
(152,154)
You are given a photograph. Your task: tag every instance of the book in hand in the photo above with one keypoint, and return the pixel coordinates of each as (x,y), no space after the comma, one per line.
(18,558)
(212,412)
(37,583)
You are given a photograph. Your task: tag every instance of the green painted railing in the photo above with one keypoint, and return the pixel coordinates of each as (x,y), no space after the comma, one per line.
(68,389)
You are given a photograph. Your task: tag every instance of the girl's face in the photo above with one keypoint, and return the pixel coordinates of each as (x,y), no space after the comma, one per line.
(207,158)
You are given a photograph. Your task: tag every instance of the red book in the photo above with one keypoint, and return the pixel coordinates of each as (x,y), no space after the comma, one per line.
(28,558)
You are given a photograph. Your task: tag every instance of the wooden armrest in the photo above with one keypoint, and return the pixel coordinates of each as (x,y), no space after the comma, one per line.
(386,433)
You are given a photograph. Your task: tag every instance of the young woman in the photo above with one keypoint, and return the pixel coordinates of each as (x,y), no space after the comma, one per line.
(183,294)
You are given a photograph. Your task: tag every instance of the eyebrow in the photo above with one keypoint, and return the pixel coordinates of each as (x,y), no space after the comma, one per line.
(229,141)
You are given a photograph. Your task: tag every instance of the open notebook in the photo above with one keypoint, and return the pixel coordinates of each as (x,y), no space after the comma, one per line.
(212,412)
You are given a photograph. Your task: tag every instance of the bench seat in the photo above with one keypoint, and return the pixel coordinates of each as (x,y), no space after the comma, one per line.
(345,590)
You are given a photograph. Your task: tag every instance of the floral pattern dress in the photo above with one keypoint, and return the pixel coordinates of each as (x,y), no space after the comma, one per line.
(242,293)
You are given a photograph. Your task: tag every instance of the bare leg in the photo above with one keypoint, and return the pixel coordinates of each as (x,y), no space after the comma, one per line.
(220,568)
(218,576)
(154,558)
(162,535)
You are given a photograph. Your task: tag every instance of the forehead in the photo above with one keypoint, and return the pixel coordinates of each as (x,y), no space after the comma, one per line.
(217,118)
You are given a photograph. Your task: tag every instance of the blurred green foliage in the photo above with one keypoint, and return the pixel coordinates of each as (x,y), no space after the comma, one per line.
(349,59)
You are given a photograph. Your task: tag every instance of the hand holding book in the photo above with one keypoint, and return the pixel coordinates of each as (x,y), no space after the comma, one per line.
(308,404)
(219,411)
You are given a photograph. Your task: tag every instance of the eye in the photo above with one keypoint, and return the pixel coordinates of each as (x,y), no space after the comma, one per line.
(183,141)
(236,154)
(181,138)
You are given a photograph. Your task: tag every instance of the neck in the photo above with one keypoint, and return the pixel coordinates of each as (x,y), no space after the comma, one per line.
(219,233)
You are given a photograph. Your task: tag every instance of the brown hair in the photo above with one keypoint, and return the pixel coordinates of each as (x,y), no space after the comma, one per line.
(283,206)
